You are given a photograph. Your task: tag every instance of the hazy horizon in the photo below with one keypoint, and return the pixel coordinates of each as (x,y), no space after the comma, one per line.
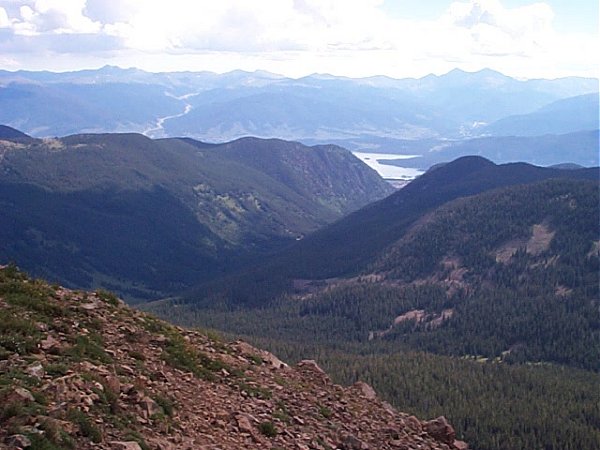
(280,75)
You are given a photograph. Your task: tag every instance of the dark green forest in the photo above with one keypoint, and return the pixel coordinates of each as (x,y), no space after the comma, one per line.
(491,405)
(354,244)
(513,365)
(150,218)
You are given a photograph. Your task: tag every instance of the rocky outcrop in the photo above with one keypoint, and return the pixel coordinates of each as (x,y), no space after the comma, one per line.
(84,371)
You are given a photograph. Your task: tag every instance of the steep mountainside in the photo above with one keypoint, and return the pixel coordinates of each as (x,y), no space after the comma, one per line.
(563,116)
(523,260)
(348,246)
(499,288)
(328,174)
(151,217)
(82,370)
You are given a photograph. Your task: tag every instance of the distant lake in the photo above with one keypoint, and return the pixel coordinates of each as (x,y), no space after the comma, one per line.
(389,172)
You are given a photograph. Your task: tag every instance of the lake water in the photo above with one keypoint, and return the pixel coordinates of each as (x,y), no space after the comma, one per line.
(389,172)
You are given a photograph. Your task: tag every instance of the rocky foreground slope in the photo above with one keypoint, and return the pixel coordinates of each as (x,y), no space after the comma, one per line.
(82,370)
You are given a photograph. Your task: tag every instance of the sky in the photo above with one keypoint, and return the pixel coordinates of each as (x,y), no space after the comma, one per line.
(355,38)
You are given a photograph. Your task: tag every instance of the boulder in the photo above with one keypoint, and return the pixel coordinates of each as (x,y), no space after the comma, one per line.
(440,429)
(244,424)
(22,395)
(18,441)
(36,370)
(351,442)
(149,407)
(273,360)
(367,391)
(50,344)
(460,445)
(125,445)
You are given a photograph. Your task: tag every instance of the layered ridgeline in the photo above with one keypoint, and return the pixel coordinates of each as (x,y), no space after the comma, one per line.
(495,265)
(149,217)
(80,370)
(509,274)
(543,122)
(351,245)
(371,113)
(580,148)
(559,117)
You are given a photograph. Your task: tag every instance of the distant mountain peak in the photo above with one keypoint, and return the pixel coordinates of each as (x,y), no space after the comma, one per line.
(460,167)
(473,162)
(9,133)
(484,76)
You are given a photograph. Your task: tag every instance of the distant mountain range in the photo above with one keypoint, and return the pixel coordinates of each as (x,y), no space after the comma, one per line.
(369,114)
(435,293)
(579,148)
(149,217)
(560,117)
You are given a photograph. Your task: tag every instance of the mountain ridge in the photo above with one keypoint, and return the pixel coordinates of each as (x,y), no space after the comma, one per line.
(347,246)
(548,150)
(559,117)
(224,208)
(222,107)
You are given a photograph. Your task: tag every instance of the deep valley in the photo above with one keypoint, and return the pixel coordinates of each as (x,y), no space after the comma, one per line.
(444,295)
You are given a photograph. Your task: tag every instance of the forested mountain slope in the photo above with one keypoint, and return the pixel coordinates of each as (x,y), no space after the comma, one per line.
(349,246)
(510,273)
(492,296)
(149,217)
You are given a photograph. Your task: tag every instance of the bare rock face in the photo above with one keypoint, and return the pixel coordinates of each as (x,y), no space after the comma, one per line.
(111,378)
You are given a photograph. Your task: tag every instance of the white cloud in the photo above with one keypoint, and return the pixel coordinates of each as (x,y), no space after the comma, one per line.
(51,17)
(495,30)
(262,25)
(300,36)
(4,22)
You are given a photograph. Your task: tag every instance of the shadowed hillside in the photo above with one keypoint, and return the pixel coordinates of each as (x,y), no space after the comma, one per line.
(149,218)
(348,246)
